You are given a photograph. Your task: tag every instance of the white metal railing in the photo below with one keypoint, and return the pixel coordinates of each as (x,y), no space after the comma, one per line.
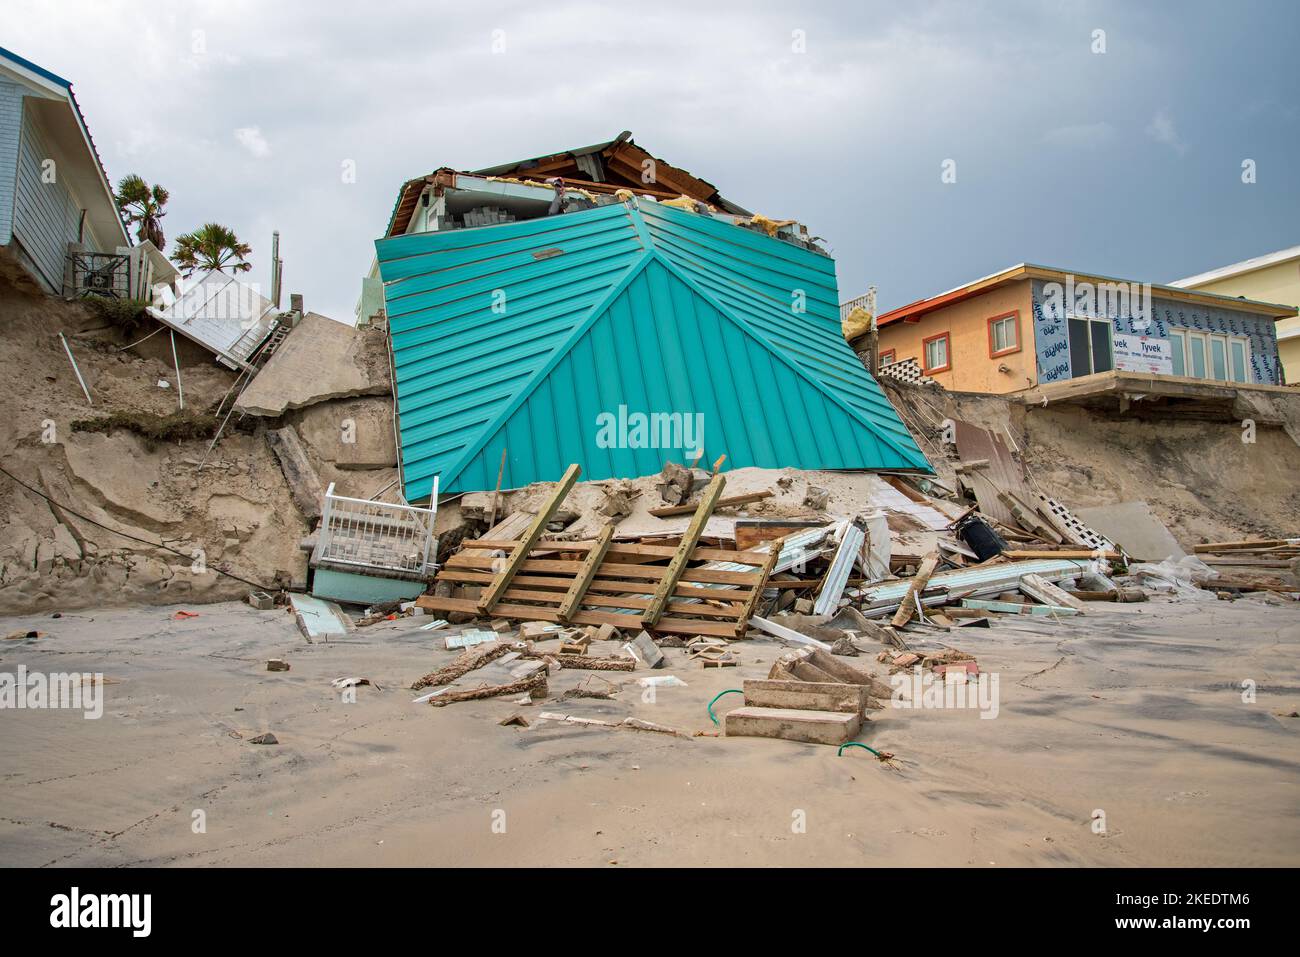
(867,301)
(380,535)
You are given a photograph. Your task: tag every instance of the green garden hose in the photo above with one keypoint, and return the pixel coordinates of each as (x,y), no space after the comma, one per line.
(720,694)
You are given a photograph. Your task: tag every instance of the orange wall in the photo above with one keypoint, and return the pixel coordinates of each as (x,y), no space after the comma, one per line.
(971,368)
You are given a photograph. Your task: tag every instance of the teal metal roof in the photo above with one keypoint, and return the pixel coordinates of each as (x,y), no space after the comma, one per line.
(521,336)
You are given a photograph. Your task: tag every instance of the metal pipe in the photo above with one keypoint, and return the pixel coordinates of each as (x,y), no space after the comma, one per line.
(68,350)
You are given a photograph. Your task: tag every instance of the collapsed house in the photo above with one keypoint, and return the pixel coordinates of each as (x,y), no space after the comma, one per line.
(547,342)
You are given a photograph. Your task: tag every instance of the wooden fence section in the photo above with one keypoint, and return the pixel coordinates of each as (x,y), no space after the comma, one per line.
(558,581)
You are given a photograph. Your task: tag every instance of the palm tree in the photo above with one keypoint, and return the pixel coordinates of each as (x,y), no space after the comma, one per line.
(142,205)
(211,247)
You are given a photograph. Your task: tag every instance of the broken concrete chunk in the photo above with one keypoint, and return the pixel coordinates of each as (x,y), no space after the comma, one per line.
(267,738)
(644,650)
(817,497)
(277,664)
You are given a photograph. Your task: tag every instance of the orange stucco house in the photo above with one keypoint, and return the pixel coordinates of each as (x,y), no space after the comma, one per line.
(1033,326)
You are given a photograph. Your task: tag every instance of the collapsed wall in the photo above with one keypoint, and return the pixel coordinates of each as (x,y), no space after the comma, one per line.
(121,501)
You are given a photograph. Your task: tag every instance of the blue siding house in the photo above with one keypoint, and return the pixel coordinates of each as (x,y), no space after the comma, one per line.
(53,188)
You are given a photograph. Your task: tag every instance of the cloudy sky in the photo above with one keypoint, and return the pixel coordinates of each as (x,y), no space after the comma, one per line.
(1126,162)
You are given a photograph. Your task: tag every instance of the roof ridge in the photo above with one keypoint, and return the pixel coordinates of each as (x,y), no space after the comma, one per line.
(781,355)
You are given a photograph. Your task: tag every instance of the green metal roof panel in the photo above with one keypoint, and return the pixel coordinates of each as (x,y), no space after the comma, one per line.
(520,336)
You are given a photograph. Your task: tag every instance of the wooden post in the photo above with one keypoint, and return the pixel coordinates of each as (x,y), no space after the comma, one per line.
(912,600)
(520,554)
(586,573)
(673,573)
(751,604)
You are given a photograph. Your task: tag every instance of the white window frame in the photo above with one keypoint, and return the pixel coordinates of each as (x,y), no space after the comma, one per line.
(1010,323)
(1205,341)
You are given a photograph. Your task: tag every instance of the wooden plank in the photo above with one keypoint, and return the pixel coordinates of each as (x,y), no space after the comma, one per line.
(1041,590)
(1075,554)
(517,558)
(610,569)
(746,499)
(683,590)
(1018,608)
(1029,519)
(922,578)
(751,533)
(626,601)
(680,626)
(587,573)
(1269,543)
(751,606)
(673,573)
(624,550)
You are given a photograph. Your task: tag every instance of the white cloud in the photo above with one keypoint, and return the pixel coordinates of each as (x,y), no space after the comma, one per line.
(1162,130)
(251,139)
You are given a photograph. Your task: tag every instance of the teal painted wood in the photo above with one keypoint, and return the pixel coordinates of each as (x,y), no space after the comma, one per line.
(530,336)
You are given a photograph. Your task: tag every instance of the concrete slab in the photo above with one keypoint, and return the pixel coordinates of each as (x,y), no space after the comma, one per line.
(320,360)
(792,724)
(319,620)
(806,695)
(1133,527)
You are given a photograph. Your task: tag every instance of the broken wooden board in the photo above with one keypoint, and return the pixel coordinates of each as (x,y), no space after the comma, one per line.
(750,533)
(672,575)
(1002,473)
(730,502)
(919,582)
(516,559)
(1043,591)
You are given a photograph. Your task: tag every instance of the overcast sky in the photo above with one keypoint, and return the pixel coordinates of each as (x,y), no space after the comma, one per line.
(1127,162)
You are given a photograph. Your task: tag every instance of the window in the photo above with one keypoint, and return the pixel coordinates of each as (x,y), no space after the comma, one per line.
(1196,354)
(888,357)
(1239,350)
(1090,346)
(1004,335)
(936,354)
(1208,355)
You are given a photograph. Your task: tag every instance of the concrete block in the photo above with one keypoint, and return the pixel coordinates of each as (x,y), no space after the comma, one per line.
(805,695)
(791,724)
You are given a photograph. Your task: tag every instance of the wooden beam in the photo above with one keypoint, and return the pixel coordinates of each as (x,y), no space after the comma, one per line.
(573,599)
(1075,554)
(745,499)
(907,608)
(1041,590)
(673,573)
(520,554)
(774,553)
